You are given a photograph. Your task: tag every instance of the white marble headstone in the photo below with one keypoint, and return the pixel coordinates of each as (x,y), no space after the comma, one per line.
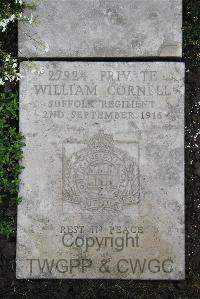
(103,28)
(103,183)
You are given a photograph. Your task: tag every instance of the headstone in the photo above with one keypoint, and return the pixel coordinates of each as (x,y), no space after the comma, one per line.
(103,28)
(103,178)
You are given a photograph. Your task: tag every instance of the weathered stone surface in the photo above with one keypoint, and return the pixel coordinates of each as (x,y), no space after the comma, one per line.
(104,28)
(103,183)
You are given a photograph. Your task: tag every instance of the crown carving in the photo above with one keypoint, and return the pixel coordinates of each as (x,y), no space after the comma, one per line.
(101,142)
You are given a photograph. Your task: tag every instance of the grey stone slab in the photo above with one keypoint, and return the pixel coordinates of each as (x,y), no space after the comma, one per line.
(103,183)
(104,28)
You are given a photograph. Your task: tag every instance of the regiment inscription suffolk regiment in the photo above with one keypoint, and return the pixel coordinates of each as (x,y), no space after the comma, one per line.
(103,177)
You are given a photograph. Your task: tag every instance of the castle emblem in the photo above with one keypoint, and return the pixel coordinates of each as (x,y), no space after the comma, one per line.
(101,176)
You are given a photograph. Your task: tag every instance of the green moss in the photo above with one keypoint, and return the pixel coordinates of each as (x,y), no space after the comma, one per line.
(8,8)
(11,142)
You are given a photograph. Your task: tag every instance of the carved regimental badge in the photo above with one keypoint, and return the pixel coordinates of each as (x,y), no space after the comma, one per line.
(100,175)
